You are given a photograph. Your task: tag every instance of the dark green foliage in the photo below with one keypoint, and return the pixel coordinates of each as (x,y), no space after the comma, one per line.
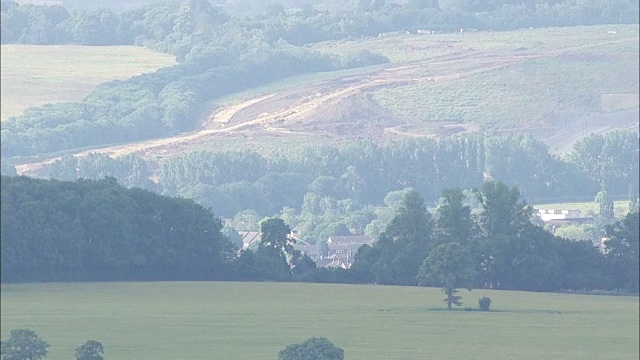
(312,349)
(275,258)
(98,230)
(450,266)
(454,223)
(622,250)
(511,252)
(527,163)
(401,247)
(484,303)
(583,266)
(609,159)
(90,350)
(605,204)
(23,344)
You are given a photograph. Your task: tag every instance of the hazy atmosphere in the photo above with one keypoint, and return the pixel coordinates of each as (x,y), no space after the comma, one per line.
(320,180)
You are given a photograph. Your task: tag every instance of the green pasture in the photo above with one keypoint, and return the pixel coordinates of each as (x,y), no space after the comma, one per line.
(401,48)
(228,320)
(587,208)
(519,95)
(34,75)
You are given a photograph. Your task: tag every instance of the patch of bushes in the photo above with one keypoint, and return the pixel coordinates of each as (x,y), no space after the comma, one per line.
(484,303)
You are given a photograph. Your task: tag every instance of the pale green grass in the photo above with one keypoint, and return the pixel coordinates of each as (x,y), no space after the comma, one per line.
(34,75)
(516,95)
(587,208)
(213,320)
(407,48)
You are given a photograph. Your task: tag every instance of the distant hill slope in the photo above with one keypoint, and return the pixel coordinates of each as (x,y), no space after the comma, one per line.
(518,81)
(34,75)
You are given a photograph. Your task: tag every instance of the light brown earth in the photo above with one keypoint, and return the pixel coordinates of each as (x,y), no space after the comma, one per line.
(341,108)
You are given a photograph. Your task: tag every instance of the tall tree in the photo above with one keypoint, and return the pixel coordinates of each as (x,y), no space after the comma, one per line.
(276,237)
(407,239)
(622,250)
(449,266)
(24,344)
(605,203)
(454,221)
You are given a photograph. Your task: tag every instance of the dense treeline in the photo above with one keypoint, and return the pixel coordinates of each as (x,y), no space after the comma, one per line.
(366,172)
(97,230)
(161,26)
(508,250)
(323,190)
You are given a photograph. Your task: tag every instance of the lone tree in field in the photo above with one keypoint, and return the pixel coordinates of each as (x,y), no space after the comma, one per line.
(312,349)
(23,344)
(90,350)
(450,266)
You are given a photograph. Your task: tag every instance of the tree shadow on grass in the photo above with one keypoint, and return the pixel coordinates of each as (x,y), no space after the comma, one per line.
(476,310)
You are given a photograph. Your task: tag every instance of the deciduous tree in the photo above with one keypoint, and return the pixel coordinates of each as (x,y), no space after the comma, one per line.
(449,266)
(90,350)
(24,344)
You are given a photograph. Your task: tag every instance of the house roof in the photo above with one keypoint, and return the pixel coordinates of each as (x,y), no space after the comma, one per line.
(351,239)
(349,246)
(306,248)
(249,237)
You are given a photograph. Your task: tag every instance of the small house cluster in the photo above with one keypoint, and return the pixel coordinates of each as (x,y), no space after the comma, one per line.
(337,252)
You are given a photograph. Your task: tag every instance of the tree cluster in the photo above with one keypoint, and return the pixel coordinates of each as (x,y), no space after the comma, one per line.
(498,248)
(25,344)
(179,28)
(324,191)
(97,230)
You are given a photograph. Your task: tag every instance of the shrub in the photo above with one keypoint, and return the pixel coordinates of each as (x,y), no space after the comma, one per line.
(484,303)
(312,349)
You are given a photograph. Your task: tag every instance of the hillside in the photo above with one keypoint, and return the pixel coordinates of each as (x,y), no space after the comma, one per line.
(35,75)
(558,84)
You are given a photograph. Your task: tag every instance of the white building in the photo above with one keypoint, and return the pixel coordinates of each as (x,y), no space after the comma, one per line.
(547,214)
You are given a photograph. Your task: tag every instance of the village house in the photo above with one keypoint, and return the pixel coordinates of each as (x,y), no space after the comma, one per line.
(249,237)
(339,251)
(552,214)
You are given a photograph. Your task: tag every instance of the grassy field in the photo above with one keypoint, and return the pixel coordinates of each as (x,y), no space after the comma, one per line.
(588,208)
(205,320)
(533,88)
(35,75)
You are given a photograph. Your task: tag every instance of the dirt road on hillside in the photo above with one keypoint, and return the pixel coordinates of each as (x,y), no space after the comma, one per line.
(279,112)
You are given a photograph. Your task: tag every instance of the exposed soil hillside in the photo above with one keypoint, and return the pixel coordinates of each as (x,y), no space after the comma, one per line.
(341,108)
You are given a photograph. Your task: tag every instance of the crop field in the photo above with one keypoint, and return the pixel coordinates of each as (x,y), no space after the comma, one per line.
(227,320)
(34,75)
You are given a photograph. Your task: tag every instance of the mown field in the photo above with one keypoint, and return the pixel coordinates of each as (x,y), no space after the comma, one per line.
(227,320)
(34,75)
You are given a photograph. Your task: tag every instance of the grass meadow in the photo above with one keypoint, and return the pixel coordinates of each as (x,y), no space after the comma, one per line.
(34,75)
(229,320)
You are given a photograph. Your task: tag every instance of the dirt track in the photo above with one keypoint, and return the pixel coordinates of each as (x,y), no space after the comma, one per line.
(279,112)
